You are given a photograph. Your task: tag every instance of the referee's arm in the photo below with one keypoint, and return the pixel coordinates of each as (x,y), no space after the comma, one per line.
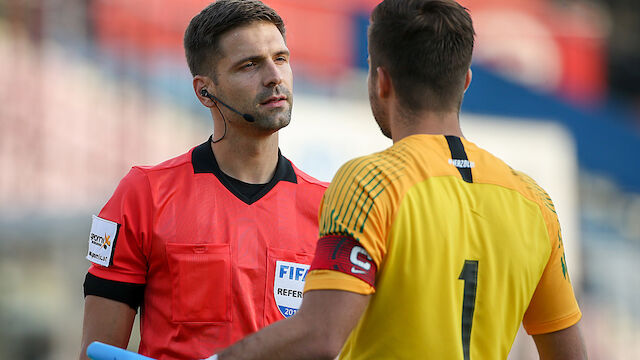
(109,310)
(107,321)
(317,331)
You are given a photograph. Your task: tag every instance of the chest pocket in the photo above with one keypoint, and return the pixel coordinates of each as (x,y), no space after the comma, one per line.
(286,273)
(201,282)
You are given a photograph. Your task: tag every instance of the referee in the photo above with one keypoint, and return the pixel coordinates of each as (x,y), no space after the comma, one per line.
(433,248)
(213,244)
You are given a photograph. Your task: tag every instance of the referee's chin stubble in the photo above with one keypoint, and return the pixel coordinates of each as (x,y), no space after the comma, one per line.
(273,121)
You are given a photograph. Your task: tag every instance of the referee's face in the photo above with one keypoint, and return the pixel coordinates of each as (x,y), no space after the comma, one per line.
(255,77)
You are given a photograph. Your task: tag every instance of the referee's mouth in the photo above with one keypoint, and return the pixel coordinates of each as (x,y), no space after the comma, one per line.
(275,101)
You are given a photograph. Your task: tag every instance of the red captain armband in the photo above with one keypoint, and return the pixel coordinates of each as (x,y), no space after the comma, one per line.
(344,254)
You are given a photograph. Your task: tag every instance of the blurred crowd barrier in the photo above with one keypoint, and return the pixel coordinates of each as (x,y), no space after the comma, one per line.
(74,118)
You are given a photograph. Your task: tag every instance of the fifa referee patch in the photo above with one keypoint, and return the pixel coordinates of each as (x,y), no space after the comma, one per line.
(344,254)
(102,241)
(288,286)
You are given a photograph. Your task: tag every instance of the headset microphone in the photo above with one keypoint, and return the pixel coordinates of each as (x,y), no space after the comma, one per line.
(247,117)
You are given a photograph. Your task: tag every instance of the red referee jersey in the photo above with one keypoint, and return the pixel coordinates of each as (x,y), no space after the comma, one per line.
(216,265)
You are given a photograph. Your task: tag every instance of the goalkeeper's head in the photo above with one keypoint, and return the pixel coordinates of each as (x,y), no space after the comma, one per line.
(425,47)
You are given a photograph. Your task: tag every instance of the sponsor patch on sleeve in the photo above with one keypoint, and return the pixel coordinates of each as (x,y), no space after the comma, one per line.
(102,241)
(344,254)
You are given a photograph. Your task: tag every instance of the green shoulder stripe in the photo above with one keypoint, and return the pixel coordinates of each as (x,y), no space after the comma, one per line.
(358,183)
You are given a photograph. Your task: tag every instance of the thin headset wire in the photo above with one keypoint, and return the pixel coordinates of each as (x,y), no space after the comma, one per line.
(223,120)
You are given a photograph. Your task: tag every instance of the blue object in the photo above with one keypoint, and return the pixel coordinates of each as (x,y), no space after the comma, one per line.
(100,351)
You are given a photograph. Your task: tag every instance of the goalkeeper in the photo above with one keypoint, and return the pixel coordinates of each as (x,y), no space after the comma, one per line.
(433,248)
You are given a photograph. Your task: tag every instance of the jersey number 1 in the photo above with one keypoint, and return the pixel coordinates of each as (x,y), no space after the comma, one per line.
(470,276)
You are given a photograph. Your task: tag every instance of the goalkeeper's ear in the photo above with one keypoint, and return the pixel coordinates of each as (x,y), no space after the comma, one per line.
(467,80)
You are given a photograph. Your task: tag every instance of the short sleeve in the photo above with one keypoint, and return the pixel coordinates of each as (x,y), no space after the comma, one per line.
(353,207)
(130,208)
(553,306)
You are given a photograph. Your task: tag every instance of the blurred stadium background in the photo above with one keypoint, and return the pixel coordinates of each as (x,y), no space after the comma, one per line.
(89,88)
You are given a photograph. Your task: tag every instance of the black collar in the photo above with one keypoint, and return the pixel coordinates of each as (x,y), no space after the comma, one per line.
(204,161)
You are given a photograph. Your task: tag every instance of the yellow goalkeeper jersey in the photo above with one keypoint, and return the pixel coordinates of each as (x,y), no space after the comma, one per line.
(457,248)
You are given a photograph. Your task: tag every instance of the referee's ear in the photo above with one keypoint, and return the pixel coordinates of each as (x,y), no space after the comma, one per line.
(203,83)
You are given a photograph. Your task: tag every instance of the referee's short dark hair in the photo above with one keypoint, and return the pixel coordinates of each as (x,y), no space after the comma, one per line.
(201,39)
(426,47)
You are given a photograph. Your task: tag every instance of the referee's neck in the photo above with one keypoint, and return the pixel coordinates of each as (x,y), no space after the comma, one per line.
(248,159)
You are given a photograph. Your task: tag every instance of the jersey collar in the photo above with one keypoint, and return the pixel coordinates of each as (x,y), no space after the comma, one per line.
(204,161)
